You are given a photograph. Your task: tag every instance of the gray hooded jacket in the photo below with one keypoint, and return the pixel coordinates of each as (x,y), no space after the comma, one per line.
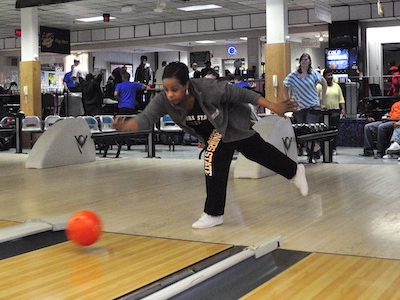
(225,105)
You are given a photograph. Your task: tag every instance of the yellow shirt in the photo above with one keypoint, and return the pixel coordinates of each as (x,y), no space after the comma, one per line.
(334,96)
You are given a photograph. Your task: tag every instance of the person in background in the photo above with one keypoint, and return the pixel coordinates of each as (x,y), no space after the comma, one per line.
(117,74)
(68,82)
(300,85)
(392,85)
(195,73)
(143,75)
(211,74)
(158,77)
(92,95)
(206,69)
(395,83)
(79,71)
(125,94)
(112,81)
(380,132)
(238,81)
(218,114)
(143,71)
(334,102)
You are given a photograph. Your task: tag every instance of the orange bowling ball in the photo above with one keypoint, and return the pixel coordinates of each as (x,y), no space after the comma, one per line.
(84,228)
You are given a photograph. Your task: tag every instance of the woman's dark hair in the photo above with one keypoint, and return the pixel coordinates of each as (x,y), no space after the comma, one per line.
(309,67)
(177,70)
(327,71)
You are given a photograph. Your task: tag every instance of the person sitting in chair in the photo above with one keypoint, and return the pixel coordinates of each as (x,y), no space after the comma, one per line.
(380,132)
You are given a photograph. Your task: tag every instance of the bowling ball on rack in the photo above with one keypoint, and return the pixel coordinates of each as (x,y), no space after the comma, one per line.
(313,127)
(84,228)
(324,127)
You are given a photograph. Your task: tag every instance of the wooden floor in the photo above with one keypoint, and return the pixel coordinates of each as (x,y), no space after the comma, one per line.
(351,209)
(328,276)
(115,266)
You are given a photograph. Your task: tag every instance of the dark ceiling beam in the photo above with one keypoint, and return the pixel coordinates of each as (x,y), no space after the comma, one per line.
(31,3)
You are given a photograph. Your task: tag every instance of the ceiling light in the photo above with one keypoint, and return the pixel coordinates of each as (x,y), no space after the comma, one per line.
(93,19)
(244,38)
(199,7)
(206,42)
(127,8)
(321,37)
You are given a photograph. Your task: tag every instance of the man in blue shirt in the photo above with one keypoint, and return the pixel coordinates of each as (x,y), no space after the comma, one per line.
(240,83)
(125,94)
(68,81)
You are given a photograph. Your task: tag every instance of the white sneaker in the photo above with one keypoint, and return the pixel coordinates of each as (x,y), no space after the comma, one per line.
(387,156)
(394,147)
(300,180)
(207,221)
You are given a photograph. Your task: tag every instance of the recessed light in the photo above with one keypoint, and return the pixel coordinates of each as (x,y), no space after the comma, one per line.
(199,7)
(93,19)
(206,42)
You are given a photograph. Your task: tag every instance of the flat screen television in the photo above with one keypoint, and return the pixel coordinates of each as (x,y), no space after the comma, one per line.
(343,34)
(337,59)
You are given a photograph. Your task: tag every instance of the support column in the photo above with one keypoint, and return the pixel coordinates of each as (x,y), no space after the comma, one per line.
(277,49)
(253,53)
(30,92)
(30,68)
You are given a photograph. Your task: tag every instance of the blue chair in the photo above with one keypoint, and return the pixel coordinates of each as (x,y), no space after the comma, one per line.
(106,123)
(92,122)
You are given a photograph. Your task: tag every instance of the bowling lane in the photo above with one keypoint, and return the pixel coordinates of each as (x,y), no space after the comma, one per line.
(114,266)
(329,276)
(4,224)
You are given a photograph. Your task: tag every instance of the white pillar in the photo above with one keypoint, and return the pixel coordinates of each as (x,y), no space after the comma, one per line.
(29,37)
(277,21)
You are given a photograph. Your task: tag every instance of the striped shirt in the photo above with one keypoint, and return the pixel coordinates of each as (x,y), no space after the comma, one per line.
(304,89)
